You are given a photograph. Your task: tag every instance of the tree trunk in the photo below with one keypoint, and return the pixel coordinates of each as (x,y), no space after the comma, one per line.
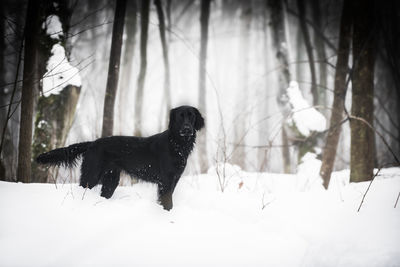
(28,91)
(321,54)
(113,68)
(332,140)
(53,121)
(390,22)
(279,42)
(2,49)
(239,153)
(204,18)
(167,75)
(12,65)
(129,44)
(3,95)
(307,40)
(362,137)
(169,21)
(144,23)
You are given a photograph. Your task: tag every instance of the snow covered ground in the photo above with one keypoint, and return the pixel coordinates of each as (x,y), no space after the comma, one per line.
(261,219)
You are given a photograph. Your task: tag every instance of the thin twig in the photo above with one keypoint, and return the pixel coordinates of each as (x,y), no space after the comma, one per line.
(378,133)
(52,177)
(84,192)
(373,178)
(397,200)
(12,94)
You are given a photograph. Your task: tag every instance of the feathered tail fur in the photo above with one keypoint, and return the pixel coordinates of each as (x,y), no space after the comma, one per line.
(65,156)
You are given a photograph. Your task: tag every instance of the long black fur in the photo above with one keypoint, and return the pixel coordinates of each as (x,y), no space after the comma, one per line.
(159,159)
(66,156)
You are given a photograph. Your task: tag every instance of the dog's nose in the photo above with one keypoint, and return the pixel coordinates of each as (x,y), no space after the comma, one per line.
(186,130)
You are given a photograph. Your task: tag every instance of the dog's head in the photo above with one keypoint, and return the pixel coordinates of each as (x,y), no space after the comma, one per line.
(185,121)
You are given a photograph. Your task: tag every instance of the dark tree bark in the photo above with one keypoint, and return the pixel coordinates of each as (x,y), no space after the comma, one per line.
(204,18)
(2,91)
(279,42)
(54,114)
(2,47)
(332,140)
(390,22)
(12,74)
(167,75)
(113,68)
(32,29)
(362,137)
(144,26)
(321,54)
(54,119)
(307,40)
(169,21)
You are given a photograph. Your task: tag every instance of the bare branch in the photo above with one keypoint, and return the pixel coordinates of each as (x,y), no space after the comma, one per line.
(369,186)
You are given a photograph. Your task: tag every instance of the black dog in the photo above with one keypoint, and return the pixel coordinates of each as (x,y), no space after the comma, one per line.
(159,159)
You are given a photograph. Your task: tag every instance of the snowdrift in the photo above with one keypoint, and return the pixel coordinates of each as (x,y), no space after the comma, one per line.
(261,219)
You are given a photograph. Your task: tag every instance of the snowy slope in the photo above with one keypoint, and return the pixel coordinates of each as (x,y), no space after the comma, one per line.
(261,219)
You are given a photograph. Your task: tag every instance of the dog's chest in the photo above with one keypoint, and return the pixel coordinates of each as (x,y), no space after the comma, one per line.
(179,158)
(179,163)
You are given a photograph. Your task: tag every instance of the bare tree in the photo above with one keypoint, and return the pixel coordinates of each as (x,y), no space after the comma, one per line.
(13,49)
(144,26)
(239,154)
(362,137)
(307,40)
(2,81)
(54,118)
(321,54)
(169,20)
(32,28)
(280,45)
(113,68)
(2,43)
(167,75)
(129,46)
(204,18)
(332,139)
(54,112)
(390,22)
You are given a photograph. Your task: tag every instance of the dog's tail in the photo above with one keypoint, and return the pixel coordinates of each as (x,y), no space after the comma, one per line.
(65,156)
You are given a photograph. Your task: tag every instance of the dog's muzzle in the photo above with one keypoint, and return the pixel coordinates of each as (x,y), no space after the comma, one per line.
(186,131)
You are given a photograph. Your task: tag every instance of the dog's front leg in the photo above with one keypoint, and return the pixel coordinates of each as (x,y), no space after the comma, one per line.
(165,196)
(165,200)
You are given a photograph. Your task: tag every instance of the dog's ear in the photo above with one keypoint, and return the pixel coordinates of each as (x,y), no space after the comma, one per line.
(171,118)
(199,123)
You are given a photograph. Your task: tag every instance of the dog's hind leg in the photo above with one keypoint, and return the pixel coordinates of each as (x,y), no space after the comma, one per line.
(110,182)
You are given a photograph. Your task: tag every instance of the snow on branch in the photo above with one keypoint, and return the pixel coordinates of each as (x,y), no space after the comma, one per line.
(60,72)
(53,27)
(305,117)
